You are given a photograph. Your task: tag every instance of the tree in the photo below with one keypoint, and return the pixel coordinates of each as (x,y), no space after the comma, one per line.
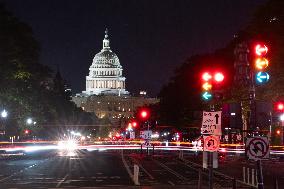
(179,99)
(28,88)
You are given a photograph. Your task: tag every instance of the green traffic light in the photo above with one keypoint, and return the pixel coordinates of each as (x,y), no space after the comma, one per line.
(206,96)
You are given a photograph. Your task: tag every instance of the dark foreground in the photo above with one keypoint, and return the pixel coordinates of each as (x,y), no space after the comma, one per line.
(105,169)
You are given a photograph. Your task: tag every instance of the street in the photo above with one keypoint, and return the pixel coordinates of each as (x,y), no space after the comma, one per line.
(111,168)
(53,171)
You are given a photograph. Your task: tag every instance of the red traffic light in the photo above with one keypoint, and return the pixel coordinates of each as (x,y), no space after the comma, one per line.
(261,50)
(278,132)
(134,124)
(144,114)
(26,131)
(206,76)
(280,106)
(219,77)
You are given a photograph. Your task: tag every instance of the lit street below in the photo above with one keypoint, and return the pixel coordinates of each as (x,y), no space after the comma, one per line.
(113,166)
(141,94)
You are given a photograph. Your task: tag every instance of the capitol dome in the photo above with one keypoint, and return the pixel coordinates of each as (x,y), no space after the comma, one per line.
(106,57)
(105,76)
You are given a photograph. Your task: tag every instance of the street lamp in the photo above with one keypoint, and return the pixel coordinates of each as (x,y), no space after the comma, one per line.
(29,121)
(4,113)
(282,117)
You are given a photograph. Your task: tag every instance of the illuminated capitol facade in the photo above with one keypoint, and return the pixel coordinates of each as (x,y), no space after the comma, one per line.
(105,93)
(105,73)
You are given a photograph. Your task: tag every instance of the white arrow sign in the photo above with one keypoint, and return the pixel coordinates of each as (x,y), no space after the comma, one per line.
(211,123)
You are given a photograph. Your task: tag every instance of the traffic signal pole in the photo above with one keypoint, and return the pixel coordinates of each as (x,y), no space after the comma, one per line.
(210,81)
(148,140)
(210,168)
(210,158)
(259,175)
(260,63)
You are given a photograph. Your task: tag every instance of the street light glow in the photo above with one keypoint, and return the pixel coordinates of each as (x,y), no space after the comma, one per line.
(282,117)
(29,121)
(4,114)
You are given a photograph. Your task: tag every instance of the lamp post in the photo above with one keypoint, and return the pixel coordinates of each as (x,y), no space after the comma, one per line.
(29,121)
(4,115)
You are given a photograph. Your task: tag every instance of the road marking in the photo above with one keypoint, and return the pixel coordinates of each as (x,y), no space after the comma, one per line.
(171,183)
(170,170)
(127,168)
(60,182)
(16,173)
(135,161)
(26,168)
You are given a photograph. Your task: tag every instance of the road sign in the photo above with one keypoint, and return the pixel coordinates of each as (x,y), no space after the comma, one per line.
(211,143)
(132,135)
(262,77)
(211,123)
(146,134)
(207,96)
(257,148)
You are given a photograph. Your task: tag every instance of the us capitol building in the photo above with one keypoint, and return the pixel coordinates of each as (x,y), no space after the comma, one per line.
(105,93)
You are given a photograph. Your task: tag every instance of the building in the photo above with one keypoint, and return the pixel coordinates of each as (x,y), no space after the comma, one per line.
(111,106)
(106,93)
(105,73)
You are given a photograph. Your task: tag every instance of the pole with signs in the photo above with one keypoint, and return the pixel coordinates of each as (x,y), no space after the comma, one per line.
(211,130)
(257,149)
(211,121)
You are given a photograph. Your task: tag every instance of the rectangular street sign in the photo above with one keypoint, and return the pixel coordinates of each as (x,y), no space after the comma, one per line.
(146,134)
(211,123)
(132,135)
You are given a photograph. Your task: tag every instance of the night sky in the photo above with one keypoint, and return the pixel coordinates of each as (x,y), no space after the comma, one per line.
(151,38)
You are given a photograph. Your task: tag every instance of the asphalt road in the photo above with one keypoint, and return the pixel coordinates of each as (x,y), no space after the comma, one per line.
(233,165)
(107,169)
(54,171)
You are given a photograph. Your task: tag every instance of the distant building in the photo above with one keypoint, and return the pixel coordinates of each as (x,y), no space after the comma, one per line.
(105,93)
(113,107)
(105,73)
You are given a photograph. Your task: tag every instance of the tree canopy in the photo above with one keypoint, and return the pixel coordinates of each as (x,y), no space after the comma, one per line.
(180,98)
(28,88)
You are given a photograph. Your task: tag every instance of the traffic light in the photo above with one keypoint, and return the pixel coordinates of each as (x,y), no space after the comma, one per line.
(206,86)
(27,131)
(134,123)
(261,64)
(279,106)
(278,132)
(210,85)
(219,77)
(206,76)
(144,114)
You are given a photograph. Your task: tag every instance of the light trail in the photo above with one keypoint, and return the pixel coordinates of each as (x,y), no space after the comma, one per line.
(237,149)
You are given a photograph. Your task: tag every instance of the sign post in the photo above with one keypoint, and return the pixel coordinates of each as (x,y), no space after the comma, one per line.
(257,149)
(211,130)
(211,123)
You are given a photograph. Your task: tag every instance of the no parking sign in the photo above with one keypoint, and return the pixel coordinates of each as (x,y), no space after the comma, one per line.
(211,143)
(257,148)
